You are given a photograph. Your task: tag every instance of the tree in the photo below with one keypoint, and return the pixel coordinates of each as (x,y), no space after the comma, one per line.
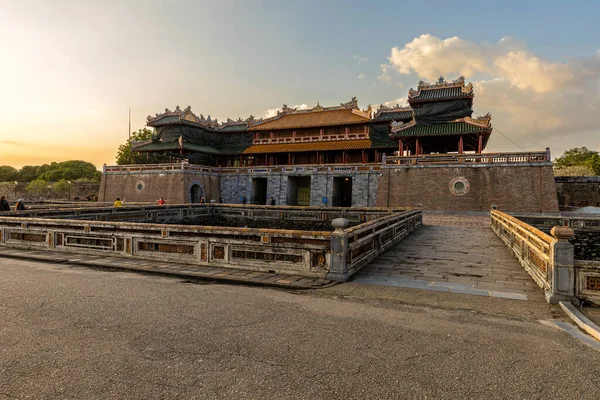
(28,173)
(68,170)
(124,155)
(63,187)
(8,173)
(37,187)
(574,170)
(579,157)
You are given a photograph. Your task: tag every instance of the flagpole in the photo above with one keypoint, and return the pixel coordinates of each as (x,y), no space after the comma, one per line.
(130,155)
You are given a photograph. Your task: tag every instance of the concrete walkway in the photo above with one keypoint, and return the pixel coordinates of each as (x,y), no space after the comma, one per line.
(186,271)
(453,254)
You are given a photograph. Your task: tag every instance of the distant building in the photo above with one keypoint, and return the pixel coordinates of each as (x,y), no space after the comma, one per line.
(426,154)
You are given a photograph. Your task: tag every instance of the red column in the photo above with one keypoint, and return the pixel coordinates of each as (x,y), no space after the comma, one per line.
(289,158)
(400,148)
(266,159)
(362,157)
(480,144)
(417,147)
(344,156)
(460,145)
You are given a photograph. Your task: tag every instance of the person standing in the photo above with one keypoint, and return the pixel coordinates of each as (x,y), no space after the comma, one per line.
(4,206)
(118,202)
(272,201)
(161,202)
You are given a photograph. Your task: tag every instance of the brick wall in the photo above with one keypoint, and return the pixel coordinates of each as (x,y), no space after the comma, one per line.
(512,187)
(586,241)
(174,186)
(578,191)
(78,190)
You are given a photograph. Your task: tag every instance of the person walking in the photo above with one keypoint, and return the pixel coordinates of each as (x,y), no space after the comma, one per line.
(244,200)
(20,205)
(118,202)
(4,206)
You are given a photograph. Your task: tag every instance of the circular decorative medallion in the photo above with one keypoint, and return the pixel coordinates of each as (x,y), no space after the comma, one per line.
(459,186)
(139,186)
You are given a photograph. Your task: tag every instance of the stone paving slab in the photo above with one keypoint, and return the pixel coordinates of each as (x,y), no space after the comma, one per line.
(452,253)
(172,269)
(441,287)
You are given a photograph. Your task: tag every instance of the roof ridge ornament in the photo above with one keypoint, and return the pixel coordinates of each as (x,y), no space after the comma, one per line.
(353,103)
(441,83)
(285,109)
(318,107)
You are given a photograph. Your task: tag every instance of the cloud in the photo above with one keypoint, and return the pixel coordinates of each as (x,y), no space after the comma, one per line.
(11,143)
(532,100)
(385,76)
(360,76)
(271,112)
(401,101)
(360,60)
(431,57)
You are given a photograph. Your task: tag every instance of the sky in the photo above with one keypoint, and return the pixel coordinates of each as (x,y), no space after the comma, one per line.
(70,70)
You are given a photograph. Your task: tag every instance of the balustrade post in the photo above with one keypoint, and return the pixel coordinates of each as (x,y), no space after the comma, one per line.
(561,272)
(339,268)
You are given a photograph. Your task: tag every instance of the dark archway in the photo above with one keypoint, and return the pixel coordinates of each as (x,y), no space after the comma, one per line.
(195,193)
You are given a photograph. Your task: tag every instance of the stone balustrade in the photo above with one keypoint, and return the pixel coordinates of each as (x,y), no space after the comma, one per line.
(482,158)
(155,233)
(550,259)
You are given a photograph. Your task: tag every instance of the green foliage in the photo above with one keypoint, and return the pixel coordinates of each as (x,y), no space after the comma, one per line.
(124,154)
(68,170)
(73,170)
(37,187)
(574,170)
(8,173)
(62,187)
(579,157)
(28,173)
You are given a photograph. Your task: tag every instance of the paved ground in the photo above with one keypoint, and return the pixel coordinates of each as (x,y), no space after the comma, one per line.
(74,333)
(231,275)
(452,253)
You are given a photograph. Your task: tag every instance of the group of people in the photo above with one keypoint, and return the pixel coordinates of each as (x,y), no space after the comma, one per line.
(5,206)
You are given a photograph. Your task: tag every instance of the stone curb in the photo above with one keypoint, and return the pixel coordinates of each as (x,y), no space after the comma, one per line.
(178,274)
(581,320)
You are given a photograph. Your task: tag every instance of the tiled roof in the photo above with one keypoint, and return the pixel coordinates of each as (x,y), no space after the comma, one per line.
(441,90)
(313,119)
(176,146)
(318,146)
(233,127)
(450,128)
(441,94)
(394,115)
